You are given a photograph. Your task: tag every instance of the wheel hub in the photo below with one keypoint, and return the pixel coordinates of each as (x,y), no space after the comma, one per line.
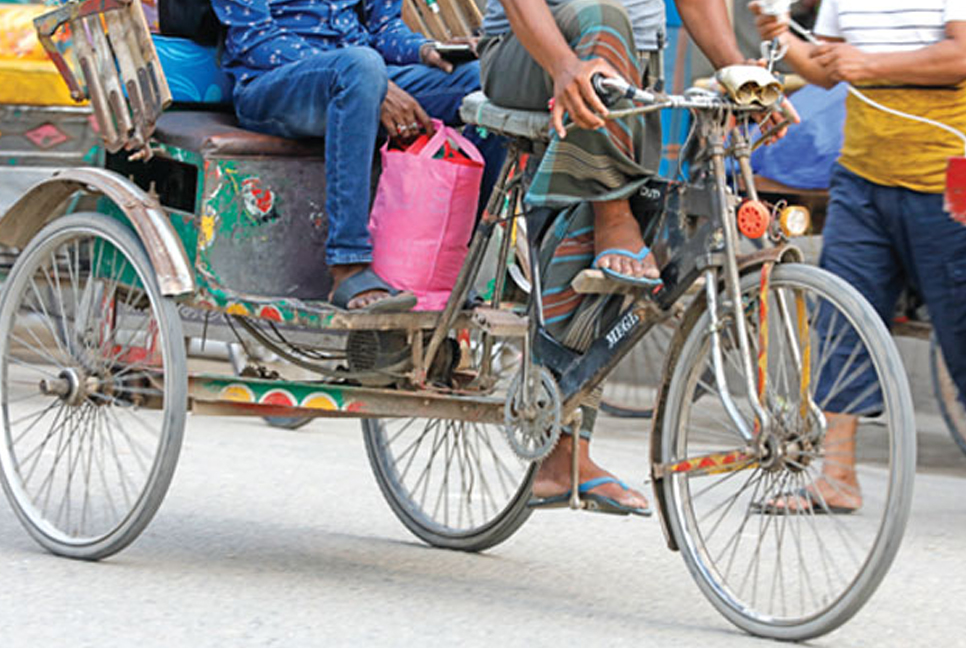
(73,386)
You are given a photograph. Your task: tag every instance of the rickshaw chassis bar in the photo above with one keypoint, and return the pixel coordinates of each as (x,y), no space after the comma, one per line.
(240,396)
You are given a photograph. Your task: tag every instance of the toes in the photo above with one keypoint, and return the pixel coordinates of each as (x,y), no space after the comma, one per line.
(627,267)
(637,269)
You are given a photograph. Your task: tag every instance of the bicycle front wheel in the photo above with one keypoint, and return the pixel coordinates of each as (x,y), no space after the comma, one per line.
(757,522)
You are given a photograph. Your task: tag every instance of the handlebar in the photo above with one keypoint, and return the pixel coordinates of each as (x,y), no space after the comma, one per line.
(613,89)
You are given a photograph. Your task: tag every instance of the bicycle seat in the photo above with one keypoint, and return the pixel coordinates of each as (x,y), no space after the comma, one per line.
(529,124)
(217,134)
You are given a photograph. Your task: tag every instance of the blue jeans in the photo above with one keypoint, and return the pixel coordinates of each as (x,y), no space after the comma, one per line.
(879,239)
(337,95)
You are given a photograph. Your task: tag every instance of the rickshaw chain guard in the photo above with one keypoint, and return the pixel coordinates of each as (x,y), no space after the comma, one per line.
(748,263)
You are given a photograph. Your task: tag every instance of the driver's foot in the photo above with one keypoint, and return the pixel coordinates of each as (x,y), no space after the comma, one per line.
(553,478)
(363,300)
(616,228)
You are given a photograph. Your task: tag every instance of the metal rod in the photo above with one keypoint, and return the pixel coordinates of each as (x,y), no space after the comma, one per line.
(717,359)
(792,336)
(733,279)
(474,259)
(575,502)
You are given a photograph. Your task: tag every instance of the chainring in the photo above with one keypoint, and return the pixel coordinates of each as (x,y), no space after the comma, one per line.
(533,437)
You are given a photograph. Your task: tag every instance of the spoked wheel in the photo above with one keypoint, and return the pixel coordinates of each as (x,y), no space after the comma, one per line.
(950,403)
(630,390)
(454,484)
(753,520)
(93,386)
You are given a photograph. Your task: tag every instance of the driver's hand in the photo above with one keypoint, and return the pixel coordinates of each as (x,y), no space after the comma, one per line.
(786,111)
(772,119)
(402,116)
(573,92)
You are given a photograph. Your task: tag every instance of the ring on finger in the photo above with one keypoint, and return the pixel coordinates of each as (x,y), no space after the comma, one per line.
(414,126)
(401,128)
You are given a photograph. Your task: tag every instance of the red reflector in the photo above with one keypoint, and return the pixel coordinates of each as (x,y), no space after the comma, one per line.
(955,202)
(753,219)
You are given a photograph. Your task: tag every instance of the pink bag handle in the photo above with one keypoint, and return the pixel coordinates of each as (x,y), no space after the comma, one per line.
(444,132)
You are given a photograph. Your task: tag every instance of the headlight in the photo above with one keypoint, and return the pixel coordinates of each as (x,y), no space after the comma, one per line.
(795,220)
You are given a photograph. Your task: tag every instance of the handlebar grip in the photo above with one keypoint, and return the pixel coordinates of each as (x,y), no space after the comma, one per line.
(610,90)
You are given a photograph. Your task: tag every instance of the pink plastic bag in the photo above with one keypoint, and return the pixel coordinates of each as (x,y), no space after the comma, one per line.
(423,216)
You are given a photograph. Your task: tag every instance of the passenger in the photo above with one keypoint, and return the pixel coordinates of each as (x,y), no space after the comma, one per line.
(337,69)
(554,49)
(886,227)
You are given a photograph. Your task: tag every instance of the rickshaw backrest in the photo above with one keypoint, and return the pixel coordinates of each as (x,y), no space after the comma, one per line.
(117,66)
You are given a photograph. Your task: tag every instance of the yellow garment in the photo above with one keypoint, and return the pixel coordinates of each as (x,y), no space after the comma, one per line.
(898,152)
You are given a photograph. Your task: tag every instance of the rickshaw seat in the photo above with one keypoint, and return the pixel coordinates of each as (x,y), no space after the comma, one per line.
(530,124)
(217,134)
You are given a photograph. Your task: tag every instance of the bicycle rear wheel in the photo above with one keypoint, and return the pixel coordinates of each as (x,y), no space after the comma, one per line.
(751,520)
(454,484)
(950,405)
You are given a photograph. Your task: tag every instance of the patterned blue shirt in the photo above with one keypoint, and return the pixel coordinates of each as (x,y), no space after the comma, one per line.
(265,34)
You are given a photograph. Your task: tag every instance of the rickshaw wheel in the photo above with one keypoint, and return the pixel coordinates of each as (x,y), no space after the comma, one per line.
(798,572)
(454,484)
(93,387)
(950,405)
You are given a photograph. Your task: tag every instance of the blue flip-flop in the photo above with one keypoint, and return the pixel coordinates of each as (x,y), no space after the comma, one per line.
(623,278)
(595,502)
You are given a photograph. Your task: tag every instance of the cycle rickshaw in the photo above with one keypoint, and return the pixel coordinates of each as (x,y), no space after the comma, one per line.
(191,212)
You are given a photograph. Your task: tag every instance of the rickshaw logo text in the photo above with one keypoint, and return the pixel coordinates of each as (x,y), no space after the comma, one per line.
(617,333)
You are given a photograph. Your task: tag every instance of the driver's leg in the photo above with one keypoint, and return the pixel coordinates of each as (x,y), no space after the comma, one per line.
(604,166)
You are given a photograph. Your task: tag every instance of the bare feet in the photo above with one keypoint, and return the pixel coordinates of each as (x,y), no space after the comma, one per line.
(616,227)
(342,272)
(553,478)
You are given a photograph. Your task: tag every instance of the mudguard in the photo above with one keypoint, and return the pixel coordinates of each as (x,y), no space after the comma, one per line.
(48,200)
(746,263)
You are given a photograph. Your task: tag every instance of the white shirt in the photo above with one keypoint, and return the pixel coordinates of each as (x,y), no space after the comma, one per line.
(888,25)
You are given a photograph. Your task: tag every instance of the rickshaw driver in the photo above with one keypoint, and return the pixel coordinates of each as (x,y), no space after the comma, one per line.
(337,69)
(553,51)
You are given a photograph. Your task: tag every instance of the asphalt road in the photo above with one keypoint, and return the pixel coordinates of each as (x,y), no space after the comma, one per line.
(278,538)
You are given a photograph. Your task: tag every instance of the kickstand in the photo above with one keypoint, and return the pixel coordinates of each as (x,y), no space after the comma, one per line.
(575,502)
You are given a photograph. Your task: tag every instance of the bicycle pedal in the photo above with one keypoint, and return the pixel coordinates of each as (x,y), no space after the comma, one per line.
(595,282)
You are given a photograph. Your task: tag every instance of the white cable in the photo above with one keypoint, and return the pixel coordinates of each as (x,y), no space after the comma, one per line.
(807,35)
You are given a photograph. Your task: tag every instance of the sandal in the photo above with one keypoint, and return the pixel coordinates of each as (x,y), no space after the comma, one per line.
(397,301)
(811,504)
(596,503)
(623,278)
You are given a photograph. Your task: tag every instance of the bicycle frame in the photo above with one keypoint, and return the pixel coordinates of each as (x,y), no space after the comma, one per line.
(714,249)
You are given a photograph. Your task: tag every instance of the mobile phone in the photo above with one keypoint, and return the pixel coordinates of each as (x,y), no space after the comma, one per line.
(456,52)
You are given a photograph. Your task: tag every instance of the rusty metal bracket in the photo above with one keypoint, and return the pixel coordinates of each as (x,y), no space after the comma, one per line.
(118,68)
(46,201)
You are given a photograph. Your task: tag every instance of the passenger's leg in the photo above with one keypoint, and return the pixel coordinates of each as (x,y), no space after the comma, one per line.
(603,166)
(336,95)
